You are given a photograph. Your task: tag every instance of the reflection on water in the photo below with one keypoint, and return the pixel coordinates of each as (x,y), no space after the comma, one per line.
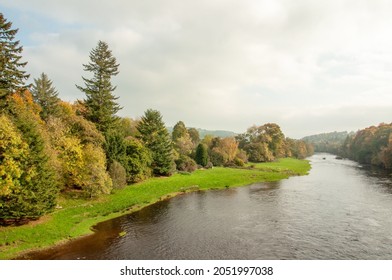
(339,211)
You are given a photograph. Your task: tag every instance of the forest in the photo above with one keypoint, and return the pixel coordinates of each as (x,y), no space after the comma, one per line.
(371,145)
(50,147)
(331,142)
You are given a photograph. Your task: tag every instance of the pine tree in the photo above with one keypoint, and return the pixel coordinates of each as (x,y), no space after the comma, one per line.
(46,95)
(155,136)
(100,101)
(11,77)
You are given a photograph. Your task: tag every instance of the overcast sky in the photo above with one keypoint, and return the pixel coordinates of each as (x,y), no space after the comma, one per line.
(310,66)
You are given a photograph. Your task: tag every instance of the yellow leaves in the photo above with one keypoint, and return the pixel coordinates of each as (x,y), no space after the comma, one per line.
(83,164)
(13,151)
(95,178)
(22,103)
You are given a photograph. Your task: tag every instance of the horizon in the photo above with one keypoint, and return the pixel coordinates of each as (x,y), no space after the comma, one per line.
(309,67)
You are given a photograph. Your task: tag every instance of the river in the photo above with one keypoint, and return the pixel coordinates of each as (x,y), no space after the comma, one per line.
(341,210)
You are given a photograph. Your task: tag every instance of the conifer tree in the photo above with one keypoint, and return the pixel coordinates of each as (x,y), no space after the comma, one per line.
(35,189)
(100,101)
(155,136)
(46,95)
(11,76)
(201,155)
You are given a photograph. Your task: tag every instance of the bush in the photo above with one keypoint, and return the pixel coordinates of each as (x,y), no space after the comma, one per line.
(118,174)
(239,162)
(218,158)
(137,161)
(185,163)
(95,179)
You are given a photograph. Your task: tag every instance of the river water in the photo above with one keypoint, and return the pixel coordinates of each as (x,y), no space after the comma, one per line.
(341,210)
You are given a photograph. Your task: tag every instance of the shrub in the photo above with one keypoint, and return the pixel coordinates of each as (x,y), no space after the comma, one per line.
(185,163)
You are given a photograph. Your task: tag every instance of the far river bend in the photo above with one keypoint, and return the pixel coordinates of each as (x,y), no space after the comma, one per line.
(341,210)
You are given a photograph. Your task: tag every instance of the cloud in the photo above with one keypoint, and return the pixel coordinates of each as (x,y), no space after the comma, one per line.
(224,64)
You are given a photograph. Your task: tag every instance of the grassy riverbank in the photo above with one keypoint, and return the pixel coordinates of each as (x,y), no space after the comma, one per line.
(74,217)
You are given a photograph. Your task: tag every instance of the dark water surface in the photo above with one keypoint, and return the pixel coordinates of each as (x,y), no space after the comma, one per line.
(339,211)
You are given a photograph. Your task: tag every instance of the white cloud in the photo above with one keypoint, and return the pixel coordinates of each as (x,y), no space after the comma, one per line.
(308,65)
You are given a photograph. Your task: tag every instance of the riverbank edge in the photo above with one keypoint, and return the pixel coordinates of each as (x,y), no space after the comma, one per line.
(48,232)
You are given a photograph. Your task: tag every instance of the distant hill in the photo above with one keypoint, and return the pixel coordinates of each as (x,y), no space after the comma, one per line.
(327,142)
(216,133)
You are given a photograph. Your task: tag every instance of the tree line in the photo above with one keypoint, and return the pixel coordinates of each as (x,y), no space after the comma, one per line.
(330,142)
(50,147)
(372,145)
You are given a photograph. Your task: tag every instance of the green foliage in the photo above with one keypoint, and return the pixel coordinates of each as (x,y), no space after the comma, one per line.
(11,76)
(118,175)
(94,178)
(46,96)
(327,142)
(218,158)
(126,127)
(77,144)
(183,145)
(35,192)
(185,163)
(100,101)
(201,155)
(298,148)
(179,131)
(156,138)
(265,143)
(115,147)
(137,161)
(194,134)
(13,152)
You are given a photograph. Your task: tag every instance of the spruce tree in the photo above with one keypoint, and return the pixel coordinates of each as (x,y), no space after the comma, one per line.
(46,95)
(100,101)
(155,136)
(11,76)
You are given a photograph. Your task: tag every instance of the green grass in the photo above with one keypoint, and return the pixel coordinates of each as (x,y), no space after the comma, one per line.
(76,216)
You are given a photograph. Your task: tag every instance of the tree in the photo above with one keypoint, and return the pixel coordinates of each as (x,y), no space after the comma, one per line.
(137,160)
(12,152)
(100,101)
(118,174)
(78,146)
(95,179)
(202,155)
(156,138)
(194,134)
(11,76)
(115,147)
(263,143)
(37,188)
(179,131)
(46,95)
(183,145)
